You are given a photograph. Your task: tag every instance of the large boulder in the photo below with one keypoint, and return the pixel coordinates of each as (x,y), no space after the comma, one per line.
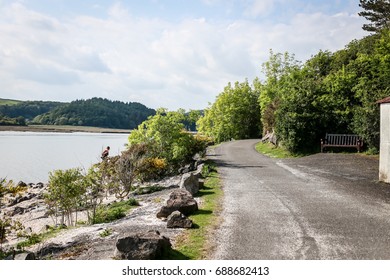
(190,183)
(198,172)
(179,200)
(142,246)
(50,249)
(178,220)
(21,184)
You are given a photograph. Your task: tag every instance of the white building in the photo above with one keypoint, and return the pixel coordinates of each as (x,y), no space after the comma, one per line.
(384,152)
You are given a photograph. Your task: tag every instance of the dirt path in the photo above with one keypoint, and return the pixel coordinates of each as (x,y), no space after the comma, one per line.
(326,206)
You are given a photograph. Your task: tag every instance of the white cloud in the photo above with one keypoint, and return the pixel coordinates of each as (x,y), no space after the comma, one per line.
(155,62)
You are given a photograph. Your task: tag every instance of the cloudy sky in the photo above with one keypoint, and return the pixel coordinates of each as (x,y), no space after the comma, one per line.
(162,53)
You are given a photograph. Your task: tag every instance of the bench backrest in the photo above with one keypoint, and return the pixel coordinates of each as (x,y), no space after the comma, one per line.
(342,139)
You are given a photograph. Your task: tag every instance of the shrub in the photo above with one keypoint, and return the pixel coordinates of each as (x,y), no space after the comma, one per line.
(65,193)
(168,144)
(115,211)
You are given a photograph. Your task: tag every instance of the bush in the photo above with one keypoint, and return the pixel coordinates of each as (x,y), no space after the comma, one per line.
(168,144)
(115,211)
(107,215)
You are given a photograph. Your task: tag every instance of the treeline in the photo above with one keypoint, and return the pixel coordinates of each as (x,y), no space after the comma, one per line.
(234,115)
(19,121)
(20,112)
(332,92)
(329,93)
(97,112)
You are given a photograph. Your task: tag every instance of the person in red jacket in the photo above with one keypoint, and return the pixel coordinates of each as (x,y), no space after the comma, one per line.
(105,153)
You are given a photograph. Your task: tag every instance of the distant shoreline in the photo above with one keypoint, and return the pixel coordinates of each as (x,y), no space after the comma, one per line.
(63,128)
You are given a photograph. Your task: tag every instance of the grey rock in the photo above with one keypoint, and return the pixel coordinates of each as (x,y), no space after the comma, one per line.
(20,198)
(198,172)
(142,246)
(21,184)
(179,200)
(178,220)
(25,256)
(187,168)
(50,249)
(190,183)
(17,210)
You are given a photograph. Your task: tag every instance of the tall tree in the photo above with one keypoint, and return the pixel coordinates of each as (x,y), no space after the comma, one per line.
(277,70)
(234,114)
(377,12)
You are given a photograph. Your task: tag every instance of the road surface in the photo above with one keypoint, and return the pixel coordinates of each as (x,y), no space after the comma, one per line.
(300,208)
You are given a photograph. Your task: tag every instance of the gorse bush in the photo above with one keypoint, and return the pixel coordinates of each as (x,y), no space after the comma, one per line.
(166,139)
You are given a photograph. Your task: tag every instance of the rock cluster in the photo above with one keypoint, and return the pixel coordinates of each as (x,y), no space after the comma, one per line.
(179,200)
(131,241)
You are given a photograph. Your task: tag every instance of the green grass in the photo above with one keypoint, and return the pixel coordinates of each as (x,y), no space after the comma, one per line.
(193,244)
(273,151)
(8,101)
(36,238)
(115,211)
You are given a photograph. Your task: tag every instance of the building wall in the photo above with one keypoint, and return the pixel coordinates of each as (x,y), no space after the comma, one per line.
(384,156)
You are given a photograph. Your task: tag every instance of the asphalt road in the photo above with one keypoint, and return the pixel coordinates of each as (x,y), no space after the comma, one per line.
(300,209)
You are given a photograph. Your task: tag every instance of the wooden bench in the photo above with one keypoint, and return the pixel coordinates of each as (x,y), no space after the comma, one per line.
(342,140)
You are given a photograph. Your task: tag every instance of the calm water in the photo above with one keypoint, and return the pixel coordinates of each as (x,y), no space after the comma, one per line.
(30,156)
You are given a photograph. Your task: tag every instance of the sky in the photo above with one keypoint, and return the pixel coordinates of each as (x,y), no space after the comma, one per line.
(162,53)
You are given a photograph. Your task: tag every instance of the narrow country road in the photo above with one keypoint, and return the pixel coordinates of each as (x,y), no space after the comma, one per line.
(300,208)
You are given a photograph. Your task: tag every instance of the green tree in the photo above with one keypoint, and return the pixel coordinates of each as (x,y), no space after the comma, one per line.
(276,70)
(377,12)
(235,114)
(166,138)
(65,194)
(94,184)
(372,70)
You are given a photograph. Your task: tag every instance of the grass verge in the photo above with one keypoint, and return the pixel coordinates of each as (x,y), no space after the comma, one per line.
(273,151)
(194,243)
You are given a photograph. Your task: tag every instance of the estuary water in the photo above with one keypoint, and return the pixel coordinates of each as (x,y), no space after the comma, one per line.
(30,156)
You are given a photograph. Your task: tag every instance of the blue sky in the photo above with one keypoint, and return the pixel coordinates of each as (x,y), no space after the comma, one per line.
(162,53)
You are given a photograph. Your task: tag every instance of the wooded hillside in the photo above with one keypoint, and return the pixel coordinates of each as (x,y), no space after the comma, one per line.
(97,112)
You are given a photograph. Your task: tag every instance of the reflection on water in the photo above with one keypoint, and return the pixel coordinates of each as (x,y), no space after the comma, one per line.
(30,156)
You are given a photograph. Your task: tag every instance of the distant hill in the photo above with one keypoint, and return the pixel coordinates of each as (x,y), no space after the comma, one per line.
(26,109)
(8,101)
(97,112)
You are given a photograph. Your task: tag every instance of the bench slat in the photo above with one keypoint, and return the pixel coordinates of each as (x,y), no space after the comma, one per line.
(341,140)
